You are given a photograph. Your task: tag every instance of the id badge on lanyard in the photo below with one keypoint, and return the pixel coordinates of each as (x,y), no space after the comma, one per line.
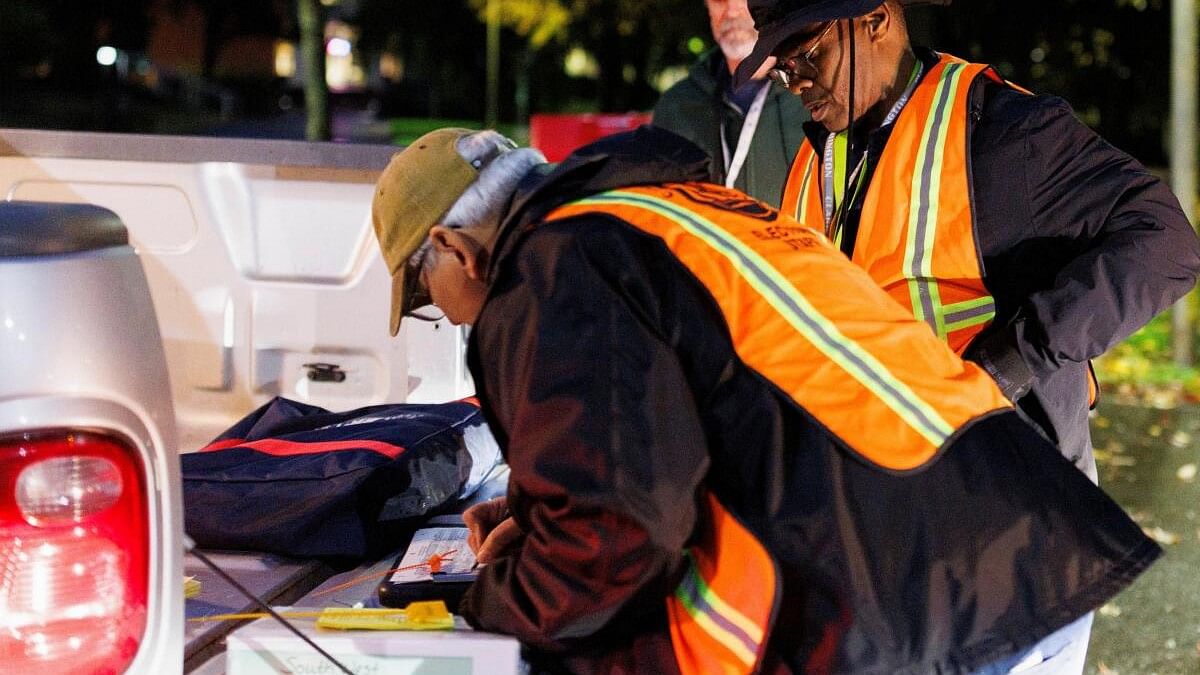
(733,165)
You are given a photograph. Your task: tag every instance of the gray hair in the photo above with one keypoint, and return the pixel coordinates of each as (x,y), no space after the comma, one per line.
(501,167)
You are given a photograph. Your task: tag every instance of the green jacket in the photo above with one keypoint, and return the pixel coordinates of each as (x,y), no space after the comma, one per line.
(693,109)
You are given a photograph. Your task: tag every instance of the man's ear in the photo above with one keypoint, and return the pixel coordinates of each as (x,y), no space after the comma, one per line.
(880,20)
(467,252)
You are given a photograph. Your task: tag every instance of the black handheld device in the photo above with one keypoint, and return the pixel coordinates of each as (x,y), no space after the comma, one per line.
(448,580)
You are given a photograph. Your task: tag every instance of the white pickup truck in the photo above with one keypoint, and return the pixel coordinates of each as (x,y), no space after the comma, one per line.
(265,280)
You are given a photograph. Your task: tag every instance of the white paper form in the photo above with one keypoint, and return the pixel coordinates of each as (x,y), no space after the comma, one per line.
(433,541)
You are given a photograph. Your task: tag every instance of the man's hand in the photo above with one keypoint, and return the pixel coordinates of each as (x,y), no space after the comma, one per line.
(492,532)
(996,351)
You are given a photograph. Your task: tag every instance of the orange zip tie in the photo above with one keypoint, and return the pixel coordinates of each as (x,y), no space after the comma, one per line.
(434,563)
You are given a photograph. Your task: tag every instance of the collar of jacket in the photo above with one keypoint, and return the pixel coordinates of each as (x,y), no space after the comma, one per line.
(711,75)
(644,156)
(706,71)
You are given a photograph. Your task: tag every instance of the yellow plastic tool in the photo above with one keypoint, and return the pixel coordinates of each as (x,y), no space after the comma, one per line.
(429,615)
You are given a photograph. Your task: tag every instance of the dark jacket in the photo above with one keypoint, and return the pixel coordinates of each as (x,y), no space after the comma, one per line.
(609,378)
(1081,246)
(695,106)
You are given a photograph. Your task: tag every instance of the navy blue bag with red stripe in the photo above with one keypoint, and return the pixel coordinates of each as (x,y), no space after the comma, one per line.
(298,480)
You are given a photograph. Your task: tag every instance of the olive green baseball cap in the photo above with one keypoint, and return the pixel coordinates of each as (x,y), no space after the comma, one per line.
(418,187)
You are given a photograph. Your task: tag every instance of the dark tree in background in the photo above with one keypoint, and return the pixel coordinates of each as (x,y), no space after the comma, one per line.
(227,20)
(27,39)
(631,40)
(648,37)
(227,26)
(53,43)
(1108,58)
(442,46)
(312,56)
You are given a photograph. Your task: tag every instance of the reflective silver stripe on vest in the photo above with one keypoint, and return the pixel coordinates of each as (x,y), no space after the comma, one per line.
(802,203)
(923,207)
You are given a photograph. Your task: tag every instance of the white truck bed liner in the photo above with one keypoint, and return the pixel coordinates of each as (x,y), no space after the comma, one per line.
(260,257)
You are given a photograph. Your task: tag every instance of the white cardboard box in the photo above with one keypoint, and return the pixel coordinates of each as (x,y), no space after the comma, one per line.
(264,647)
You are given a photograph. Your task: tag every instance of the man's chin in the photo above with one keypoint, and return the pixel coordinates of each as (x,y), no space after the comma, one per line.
(820,113)
(827,116)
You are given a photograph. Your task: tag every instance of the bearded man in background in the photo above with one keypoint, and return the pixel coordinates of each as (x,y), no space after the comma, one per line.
(751,132)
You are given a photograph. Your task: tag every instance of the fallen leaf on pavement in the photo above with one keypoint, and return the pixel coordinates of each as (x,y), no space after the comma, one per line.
(1187,473)
(1161,536)
(1162,399)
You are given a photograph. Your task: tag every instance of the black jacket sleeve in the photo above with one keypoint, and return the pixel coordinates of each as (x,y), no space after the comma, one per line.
(602,436)
(1083,244)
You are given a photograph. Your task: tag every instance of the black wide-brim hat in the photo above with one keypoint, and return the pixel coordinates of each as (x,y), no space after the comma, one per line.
(778,20)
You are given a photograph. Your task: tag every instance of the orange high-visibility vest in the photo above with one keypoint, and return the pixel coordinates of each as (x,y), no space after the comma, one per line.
(722,609)
(916,235)
(823,332)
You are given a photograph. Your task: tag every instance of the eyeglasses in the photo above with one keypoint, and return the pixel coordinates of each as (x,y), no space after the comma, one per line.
(787,70)
(416,287)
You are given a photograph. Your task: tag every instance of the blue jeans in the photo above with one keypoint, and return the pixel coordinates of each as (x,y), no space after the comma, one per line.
(1062,652)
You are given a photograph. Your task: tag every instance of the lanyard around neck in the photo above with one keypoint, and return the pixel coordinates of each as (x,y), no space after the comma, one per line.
(831,203)
(733,165)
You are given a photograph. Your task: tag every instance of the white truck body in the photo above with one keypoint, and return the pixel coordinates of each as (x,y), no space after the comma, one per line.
(260,258)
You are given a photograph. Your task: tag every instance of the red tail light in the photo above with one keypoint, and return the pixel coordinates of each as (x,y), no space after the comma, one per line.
(74,548)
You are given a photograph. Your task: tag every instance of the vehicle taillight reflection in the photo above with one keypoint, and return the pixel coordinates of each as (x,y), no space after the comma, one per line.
(73,553)
(67,489)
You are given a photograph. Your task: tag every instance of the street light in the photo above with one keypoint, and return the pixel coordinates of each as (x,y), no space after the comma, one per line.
(106,56)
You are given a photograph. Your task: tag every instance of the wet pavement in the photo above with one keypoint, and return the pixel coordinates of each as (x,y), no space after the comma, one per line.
(1148,462)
